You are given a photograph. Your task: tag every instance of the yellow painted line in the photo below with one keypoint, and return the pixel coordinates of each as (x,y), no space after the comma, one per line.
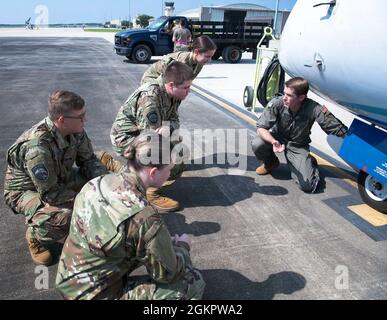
(364,211)
(351,180)
(374,217)
(224,106)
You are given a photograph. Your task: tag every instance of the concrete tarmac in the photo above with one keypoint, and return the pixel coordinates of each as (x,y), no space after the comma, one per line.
(253,237)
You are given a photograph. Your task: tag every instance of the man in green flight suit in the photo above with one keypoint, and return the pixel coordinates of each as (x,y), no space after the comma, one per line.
(285,125)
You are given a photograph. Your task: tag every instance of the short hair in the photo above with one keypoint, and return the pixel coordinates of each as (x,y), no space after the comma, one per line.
(148,149)
(62,102)
(203,44)
(299,85)
(178,72)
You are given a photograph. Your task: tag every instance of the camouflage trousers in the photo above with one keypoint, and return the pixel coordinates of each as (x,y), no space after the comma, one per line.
(177,171)
(181,157)
(46,223)
(191,287)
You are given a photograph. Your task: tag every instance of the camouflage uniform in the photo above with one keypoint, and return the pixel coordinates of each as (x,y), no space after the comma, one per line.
(182,36)
(113,232)
(294,131)
(40,182)
(146,108)
(175,27)
(158,68)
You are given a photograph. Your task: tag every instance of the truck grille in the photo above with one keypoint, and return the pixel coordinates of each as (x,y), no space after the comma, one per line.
(117,40)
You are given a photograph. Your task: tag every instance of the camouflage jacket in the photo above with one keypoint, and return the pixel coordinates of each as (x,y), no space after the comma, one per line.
(295,128)
(146,108)
(182,34)
(41,160)
(158,68)
(113,231)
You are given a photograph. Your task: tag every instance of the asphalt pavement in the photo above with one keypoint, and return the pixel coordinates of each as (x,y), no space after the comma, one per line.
(253,237)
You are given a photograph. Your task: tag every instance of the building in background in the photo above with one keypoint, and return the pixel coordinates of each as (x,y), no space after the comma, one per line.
(238,14)
(114,23)
(169,8)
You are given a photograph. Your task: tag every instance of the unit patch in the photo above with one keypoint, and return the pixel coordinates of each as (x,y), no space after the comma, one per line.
(324,109)
(40,172)
(152,117)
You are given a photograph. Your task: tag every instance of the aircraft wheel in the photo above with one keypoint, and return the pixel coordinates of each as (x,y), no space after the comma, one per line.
(248,96)
(373,192)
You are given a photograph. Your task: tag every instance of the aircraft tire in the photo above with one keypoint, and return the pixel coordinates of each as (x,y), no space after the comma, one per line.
(372,192)
(248,96)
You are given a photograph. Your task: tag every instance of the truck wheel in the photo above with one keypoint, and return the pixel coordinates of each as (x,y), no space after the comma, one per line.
(142,54)
(216,55)
(248,96)
(373,192)
(232,54)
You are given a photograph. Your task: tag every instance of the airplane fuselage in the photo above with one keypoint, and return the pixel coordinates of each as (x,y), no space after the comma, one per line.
(341,48)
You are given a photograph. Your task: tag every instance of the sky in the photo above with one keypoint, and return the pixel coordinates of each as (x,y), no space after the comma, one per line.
(99,11)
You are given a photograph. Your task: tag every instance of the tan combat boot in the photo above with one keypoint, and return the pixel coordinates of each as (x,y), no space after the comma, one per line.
(39,254)
(108,161)
(265,169)
(160,203)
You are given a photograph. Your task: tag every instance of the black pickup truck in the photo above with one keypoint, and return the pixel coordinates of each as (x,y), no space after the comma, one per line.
(139,45)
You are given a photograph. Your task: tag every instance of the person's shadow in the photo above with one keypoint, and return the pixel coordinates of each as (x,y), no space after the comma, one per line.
(224,284)
(222,190)
(176,225)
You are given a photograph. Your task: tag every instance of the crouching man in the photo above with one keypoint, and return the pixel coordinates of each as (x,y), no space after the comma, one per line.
(40,181)
(150,107)
(285,126)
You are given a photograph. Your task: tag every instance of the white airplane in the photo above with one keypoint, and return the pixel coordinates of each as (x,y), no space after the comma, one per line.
(340,47)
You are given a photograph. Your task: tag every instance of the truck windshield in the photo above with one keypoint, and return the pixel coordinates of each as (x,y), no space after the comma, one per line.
(157,23)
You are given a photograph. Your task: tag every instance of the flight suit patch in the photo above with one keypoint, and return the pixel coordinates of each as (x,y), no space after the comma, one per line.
(40,172)
(152,117)
(324,109)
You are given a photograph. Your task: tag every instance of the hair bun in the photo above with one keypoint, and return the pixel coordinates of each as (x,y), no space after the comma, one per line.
(130,153)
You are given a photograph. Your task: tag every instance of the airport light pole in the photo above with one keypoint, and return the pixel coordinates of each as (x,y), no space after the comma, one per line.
(129,18)
(275,17)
